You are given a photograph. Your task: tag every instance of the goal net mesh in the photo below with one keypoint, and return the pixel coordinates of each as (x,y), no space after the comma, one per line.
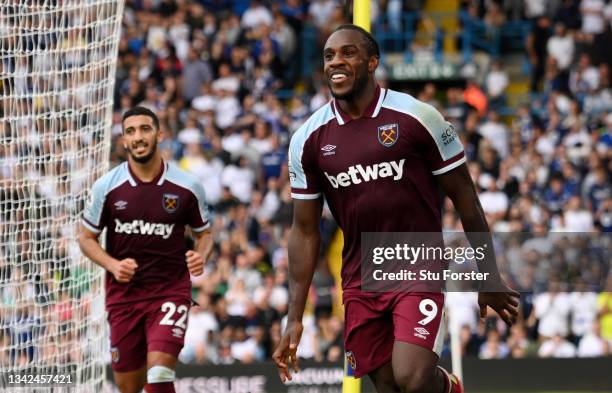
(57,73)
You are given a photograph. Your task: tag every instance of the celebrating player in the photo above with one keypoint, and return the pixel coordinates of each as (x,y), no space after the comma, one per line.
(145,204)
(379,157)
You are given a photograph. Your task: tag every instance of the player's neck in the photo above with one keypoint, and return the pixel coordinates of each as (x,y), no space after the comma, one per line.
(357,105)
(147,171)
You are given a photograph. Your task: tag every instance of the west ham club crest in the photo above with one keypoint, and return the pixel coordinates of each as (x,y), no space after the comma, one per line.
(170,202)
(350,358)
(388,134)
(114,354)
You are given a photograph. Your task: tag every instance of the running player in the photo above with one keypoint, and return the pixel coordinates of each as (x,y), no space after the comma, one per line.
(379,158)
(145,204)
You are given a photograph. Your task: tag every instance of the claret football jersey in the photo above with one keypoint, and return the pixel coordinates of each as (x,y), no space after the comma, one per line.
(377,172)
(146,221)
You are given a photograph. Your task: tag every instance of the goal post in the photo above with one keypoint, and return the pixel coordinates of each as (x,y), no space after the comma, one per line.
(361,18)
(57,75)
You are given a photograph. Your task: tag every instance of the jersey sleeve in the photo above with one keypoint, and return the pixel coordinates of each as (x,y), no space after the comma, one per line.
(302,171)
(94,208)
(198,216)
(442,147)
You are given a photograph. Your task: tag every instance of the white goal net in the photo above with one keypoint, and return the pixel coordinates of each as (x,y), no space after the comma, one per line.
(57,73)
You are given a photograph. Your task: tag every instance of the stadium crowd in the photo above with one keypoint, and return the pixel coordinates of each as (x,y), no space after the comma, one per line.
(216,73)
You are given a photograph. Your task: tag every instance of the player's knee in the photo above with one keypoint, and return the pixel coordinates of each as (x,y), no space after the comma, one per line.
(413,381)
(160,374)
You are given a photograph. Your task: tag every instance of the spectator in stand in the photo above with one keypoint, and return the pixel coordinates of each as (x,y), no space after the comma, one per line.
(206,167)
(271,295)
(561,48)
(583,304)
(518,343)
(493,347)
(321,12)
(428,95)
(584,79)
(496,133)
(239,179)
(598,190)
(569,14)
(536,49)
(456,110)
(474,96)
(494,19)
(592,344)
(556,194)
(557,347)
(494,202)
(575,218)
(324,289)
(329,338)
(496,83)
(535,8)
(196,72)
(551,309)
(256,15)
(470,341)
(593,21)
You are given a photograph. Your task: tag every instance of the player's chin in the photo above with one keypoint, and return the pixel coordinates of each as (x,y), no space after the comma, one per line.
(341,92)
(143,157)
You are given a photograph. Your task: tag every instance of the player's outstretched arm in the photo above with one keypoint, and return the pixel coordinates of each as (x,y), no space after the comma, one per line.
(123,270)
(459,187)
(203,247)
(304,241)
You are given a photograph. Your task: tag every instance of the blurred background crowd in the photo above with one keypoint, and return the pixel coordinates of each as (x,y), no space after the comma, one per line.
(232,80)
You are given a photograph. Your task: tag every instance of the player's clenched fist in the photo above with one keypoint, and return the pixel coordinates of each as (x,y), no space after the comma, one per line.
(195,262)
(124,270)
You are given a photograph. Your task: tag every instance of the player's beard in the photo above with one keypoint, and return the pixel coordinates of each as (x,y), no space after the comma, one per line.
(147,157)
(358,87)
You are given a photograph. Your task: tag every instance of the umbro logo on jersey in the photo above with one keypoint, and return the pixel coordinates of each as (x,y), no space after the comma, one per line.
(388,134)
(144,228)
(177,332)
(121,205)
(328,150)
(358,173)
(421,332)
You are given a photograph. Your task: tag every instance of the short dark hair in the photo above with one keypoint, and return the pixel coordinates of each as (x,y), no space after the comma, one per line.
(370,43)
(141,111)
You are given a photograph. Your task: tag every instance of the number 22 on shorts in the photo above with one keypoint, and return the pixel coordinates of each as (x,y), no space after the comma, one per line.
(169,308)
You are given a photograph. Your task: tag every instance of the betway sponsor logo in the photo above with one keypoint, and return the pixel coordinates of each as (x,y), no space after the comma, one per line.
(358,173)
(144,228)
